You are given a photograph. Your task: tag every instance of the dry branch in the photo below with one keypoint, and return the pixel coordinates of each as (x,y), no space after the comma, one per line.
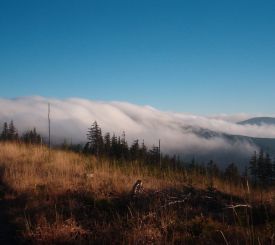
(238,206)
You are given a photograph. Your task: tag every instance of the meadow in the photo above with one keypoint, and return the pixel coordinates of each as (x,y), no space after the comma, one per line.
(62,197)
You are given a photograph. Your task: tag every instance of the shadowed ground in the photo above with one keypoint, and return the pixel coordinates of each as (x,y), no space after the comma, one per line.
(70,198)
(7,229)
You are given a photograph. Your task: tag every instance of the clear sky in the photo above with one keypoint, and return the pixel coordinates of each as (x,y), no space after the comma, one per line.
(202,57)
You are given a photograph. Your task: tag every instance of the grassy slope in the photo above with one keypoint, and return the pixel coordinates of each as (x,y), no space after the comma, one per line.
(53,199)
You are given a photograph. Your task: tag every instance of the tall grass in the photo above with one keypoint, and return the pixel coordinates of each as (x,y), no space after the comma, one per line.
(61,196)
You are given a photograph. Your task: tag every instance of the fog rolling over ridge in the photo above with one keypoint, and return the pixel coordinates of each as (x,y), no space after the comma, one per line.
(189,135)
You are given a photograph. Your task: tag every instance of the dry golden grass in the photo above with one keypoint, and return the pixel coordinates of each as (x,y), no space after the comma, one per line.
(54,199)
(28,166)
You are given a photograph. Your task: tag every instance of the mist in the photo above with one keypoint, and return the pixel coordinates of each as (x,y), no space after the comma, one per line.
(70,119)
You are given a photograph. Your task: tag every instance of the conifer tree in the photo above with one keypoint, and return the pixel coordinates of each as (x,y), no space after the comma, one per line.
(143,152)
(107,144)
(261,172)
(5,132)
(154,155)
(210,174)
(253,168)
(31,137)
(231,173)
(268,171)
(114,146)
(212,170)
(124,147)
(273,172)
(134,150)
(95,139)
(12,132)
(245,174)
(192,164)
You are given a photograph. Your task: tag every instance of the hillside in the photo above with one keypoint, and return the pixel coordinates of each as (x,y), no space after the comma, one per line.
(235,151)
(258,121)
(51,197)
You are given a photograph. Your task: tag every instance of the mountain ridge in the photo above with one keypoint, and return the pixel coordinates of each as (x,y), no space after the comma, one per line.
(258,121)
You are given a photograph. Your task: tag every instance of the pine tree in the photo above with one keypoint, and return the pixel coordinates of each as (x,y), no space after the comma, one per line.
(192,164)
(253,168)
(261,172)
(95,139)
(154,155)
(143,152)
(210,174)
(231,173)
(86,148)
(119,148)
(268,171)
(134,150)
(212,170)
(5,132)
(32,137)
(273,172)
(124,147)
(12,132)
(245,174)
(114,146)
(107,144)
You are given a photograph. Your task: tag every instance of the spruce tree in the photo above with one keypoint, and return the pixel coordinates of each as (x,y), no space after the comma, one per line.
(12,132)
(124,147)
(114,146)
(32,137)
(253,168)
(268,171)
(231,173)
(273,172)
(107,144)
(134,150)
(192,164)
(261,172)
(154,155)
(5,132)
(143,152)
(95,139)
(210,172)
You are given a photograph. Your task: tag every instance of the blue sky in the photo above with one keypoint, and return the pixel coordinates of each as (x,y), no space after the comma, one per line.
(204,57)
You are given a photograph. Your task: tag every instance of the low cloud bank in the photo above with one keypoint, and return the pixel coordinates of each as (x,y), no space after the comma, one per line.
(70,119)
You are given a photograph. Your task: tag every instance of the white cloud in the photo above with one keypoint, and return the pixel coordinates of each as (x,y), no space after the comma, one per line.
(70,119)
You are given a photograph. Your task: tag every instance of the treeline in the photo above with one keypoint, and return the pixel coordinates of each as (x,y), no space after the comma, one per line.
(117,148)
(262,169)
(10,133)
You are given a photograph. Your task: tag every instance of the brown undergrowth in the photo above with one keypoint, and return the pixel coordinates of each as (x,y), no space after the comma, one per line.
(60,197)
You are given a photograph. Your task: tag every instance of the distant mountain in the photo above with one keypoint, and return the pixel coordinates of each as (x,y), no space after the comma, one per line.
(267,144)
(258,121)
(240,152)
